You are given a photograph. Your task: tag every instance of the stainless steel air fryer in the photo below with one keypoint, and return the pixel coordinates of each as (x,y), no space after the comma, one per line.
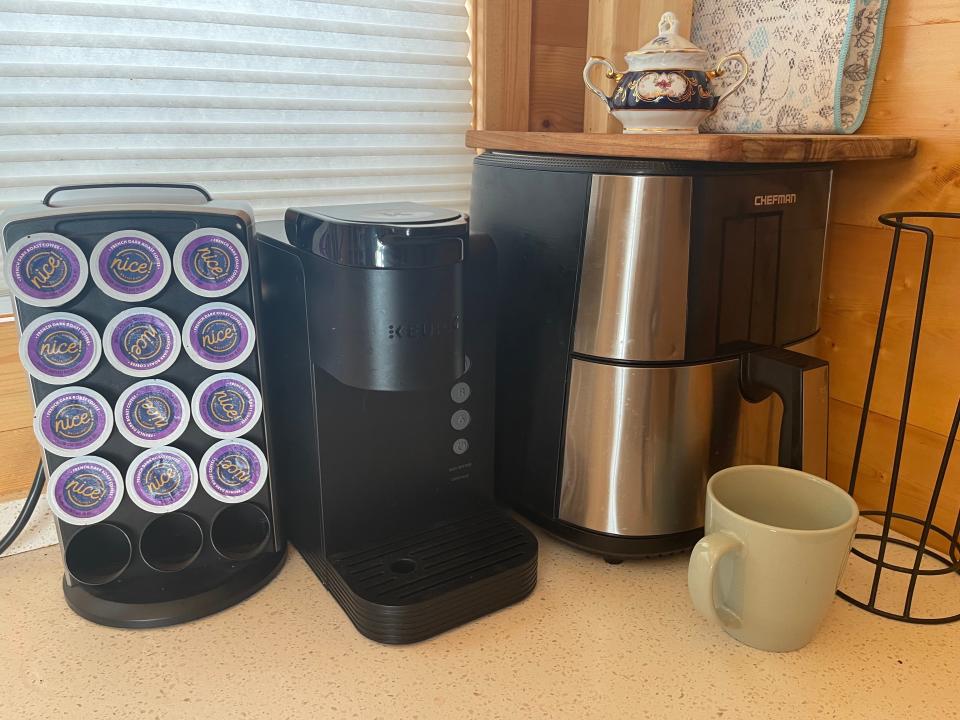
(649,326)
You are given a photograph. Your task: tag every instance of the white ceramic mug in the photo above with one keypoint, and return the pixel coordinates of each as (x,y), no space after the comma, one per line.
(776,544)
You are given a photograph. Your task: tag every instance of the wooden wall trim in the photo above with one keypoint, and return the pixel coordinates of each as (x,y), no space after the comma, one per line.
(502,54)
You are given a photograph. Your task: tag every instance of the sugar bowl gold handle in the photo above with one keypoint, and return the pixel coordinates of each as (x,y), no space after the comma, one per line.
(720,72)
(611,73)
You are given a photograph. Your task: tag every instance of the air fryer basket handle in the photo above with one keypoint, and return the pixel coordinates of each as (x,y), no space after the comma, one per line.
(802,382)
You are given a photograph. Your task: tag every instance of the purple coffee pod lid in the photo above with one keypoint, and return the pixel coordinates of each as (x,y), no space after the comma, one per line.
(226,405)
(233,470)
(151,413)
(141,342)
(161,480)
(45,269)
(218,336)
(210,262)
(85,490)
(60,348)
(130,265)
(73,421)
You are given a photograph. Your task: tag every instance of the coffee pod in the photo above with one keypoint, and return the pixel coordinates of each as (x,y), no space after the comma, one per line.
(226,405)
(85,490)
(161,480)
(151,413)
(73,421)
(45,269)
(218,336)
(130,265)
(60,348)
(233,470)
(210,262)
(141,342)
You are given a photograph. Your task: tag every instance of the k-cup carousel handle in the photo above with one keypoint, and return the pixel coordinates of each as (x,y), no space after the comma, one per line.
(702,577)
(803,384)
(126,194)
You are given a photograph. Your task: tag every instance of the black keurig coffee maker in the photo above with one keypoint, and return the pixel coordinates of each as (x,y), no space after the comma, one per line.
(379,390)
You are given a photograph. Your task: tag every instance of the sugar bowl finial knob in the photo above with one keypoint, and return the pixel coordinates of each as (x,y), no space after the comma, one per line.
(668,23)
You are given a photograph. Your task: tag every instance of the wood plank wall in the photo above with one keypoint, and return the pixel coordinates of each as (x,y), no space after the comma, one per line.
(558,53)
(915,93)
(19,451)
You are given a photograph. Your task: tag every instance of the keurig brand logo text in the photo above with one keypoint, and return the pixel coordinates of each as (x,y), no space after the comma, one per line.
(429,328)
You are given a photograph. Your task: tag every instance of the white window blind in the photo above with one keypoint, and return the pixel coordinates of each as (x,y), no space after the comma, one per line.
(276,102)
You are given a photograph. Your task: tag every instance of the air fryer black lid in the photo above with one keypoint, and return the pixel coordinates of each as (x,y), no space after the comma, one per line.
(380,235)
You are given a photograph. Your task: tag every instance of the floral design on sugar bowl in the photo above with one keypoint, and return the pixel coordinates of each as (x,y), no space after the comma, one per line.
(667,86)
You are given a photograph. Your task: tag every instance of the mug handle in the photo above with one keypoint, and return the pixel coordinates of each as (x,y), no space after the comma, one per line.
(702,577)
(611,74)
(720,72)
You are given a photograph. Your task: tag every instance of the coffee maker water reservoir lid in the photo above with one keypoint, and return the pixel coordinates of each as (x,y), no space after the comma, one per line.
(380,235)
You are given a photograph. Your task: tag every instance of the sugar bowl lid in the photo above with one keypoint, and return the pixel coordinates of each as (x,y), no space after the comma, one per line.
(668,41)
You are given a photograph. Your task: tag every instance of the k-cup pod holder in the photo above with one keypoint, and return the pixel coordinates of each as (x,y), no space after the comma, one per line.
(240,532)
(171,542)
(106,279)
(98,554)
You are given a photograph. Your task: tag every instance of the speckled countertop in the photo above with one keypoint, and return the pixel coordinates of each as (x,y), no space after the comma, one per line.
(593,641)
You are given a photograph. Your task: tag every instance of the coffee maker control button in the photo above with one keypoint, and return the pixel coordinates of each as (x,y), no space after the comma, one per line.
(460,419)
(460,392)
(460,446)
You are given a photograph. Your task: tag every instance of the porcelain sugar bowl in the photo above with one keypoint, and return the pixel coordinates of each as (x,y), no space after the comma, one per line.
(666,88)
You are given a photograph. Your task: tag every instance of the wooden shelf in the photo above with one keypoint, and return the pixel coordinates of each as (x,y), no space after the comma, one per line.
(716,148)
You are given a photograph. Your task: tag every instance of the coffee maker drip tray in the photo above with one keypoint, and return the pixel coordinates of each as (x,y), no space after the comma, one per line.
(424,583)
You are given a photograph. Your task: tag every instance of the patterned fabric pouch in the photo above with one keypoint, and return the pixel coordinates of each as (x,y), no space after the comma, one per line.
(811,62)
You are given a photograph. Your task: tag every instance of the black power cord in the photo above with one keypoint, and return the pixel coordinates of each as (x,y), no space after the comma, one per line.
(33,497)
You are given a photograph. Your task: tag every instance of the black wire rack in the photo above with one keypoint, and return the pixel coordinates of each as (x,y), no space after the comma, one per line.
(944,563)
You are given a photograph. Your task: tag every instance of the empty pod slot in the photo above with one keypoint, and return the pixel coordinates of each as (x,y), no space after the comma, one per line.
(171,542)
(240,531)
(98,554)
